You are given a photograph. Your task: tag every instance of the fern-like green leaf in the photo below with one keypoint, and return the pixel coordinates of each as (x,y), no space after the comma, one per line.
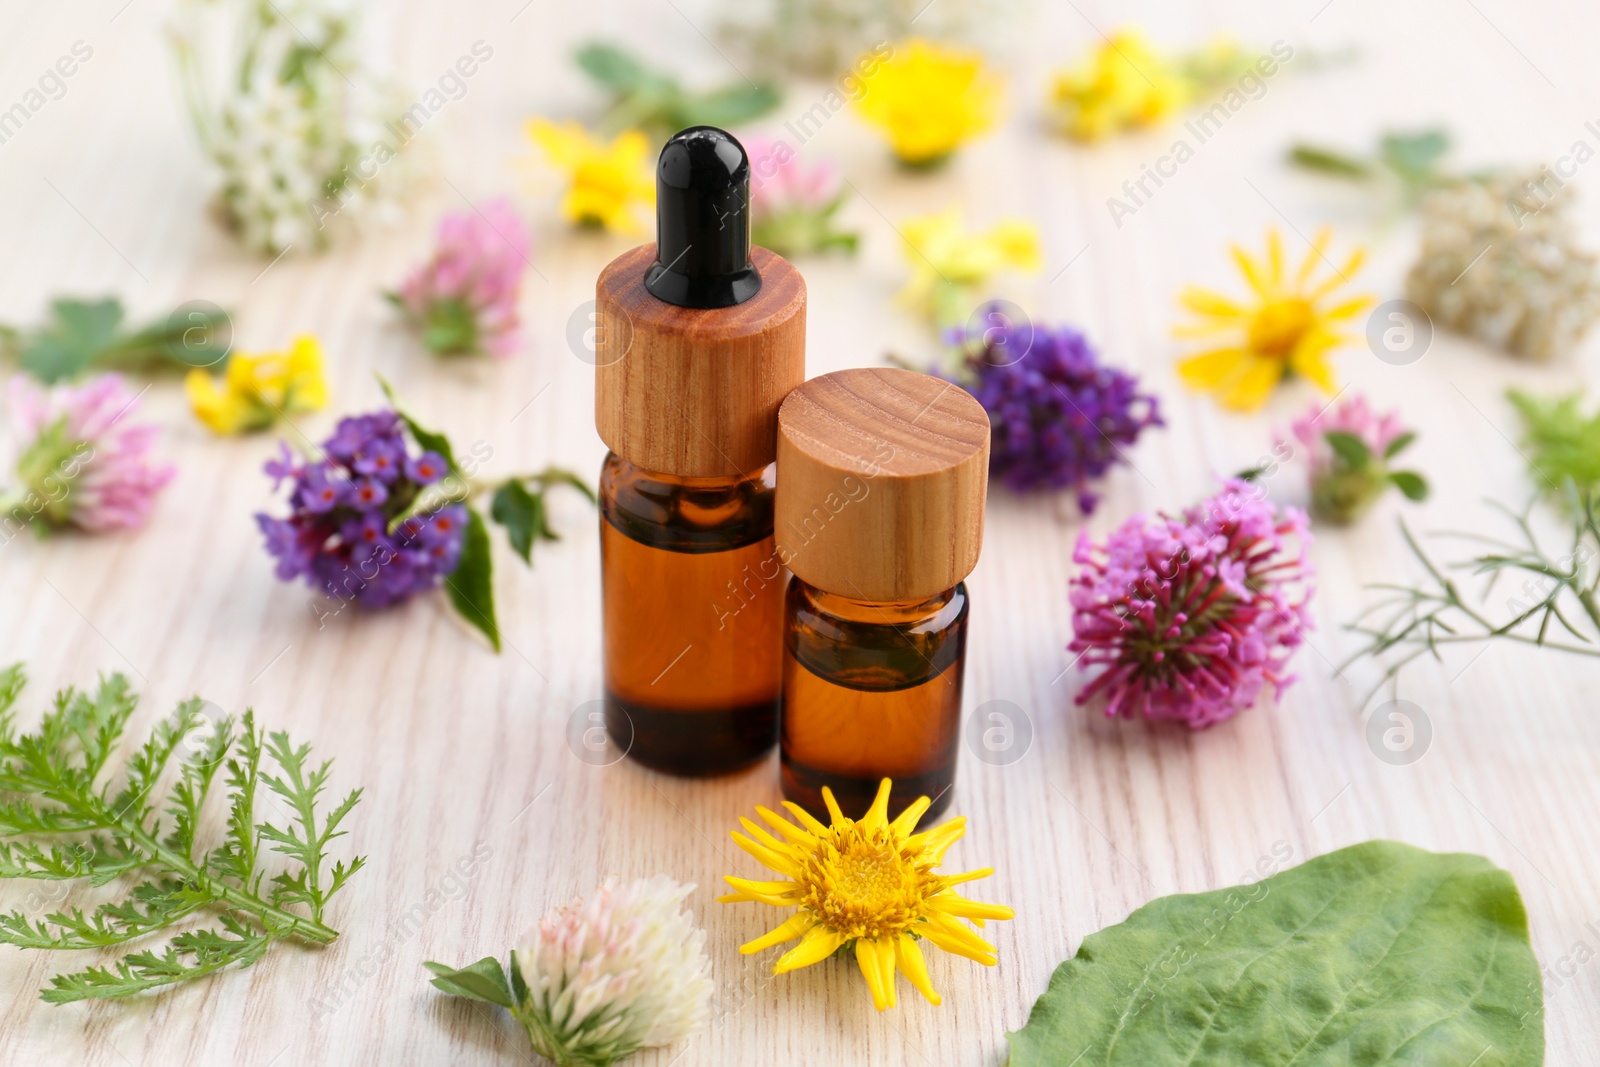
(64,818)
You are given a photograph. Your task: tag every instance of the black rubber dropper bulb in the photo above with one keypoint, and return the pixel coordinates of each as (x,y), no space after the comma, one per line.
(703,222)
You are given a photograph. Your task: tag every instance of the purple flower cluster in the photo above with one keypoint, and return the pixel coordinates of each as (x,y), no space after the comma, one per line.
(1059,417)
(341,509)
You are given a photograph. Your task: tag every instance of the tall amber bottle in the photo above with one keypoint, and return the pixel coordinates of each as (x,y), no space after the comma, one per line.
(879,514)
(699,338)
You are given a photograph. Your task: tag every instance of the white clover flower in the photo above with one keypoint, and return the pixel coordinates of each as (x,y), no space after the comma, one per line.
(623,970)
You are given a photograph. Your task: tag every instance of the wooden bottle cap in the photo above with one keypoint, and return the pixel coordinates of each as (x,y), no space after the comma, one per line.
(694,392)
(882,476)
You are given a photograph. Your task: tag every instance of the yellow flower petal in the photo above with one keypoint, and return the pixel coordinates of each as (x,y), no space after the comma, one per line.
(1251,389)
(795,926)
(1275,259)
(870,957)
(817,945)
(1308,362)
(778,861)
(908,955)
(1215,305)
(1319,248)
(1252,273)
(906,821)
(834,814)
(1208,370)
(785,827)
(962,908)
(805,818)
(775,893)
(878,814)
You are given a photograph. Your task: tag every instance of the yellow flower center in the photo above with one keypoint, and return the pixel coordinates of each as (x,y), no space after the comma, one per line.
(863,884)
(1279,326)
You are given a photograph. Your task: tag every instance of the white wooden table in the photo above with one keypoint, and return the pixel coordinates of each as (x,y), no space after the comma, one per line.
(459,750)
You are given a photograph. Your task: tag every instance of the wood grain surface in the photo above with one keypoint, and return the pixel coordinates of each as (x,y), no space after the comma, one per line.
(695,392)
(465,756)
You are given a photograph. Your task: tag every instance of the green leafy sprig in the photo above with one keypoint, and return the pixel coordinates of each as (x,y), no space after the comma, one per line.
(66,815)
(1409,163)
(88,335)
(1556,607)
(648,98)
(1561,442)
(517,503)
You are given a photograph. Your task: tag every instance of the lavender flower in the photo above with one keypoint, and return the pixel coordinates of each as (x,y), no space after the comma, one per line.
(341,533)
(1059,417)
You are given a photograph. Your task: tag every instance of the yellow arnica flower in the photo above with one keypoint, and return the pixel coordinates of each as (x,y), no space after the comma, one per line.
(947,260)
(1123,84)
(255,391)
(870,884)
(1287,326)
(928,100)
(607,180)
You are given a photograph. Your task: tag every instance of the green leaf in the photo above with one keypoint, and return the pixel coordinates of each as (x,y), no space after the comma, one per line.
(1412,484)
(1376,954)
(484,980)
(1349,448)
(470,586)
(1328,161)
(619,71)
(61,821)
(1399,444)
(731,105)
(67,347)
(521,513)
(1414,155)
(1562,443)
(430,440)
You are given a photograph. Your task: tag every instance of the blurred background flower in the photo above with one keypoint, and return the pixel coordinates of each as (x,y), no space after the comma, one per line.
(81,460)
(1348,447)
(255,391)
(1060,418)
(1285,326)
(607,181)
(1122,84)
(298,125)
(950,263)
(463,300)
(1501,261)
(792,204)
(929,100)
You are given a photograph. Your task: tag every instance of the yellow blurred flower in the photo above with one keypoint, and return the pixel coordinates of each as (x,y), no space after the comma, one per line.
(1123,84)
(1287,326)
(255,391)
(608,179)
(947,261)
(928,100)
(870,886)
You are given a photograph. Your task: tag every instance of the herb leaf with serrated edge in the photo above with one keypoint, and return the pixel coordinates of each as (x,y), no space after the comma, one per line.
(61,819)
(1380,953)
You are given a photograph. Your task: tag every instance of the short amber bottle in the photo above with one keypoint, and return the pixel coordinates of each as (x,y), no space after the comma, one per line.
(879,514)
(698,340)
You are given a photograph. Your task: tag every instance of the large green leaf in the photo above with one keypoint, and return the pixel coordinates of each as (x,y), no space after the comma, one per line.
(1376,954)
(471,585)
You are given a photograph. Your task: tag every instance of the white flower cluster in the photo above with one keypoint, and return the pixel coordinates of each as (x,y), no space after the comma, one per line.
(624,970)
(297,135)
(1500,261)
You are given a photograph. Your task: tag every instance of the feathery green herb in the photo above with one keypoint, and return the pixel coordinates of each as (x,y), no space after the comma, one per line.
(1557,605)
(64,816)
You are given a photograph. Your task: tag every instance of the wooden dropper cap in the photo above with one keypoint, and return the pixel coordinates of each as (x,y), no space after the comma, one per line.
(699,337)
(882,477)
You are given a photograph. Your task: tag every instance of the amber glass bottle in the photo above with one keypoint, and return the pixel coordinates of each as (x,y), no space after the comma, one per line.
(880,517)
(693,596)
(696,345)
